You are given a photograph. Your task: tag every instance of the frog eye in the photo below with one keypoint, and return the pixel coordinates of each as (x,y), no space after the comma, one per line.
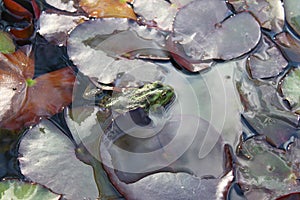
(159,85)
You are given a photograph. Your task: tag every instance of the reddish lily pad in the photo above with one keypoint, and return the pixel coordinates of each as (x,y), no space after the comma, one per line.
(289,45)
(28,100)
(201,30)
(291,196)
(267,61)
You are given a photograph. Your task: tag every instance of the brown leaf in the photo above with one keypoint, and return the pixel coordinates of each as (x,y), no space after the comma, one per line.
(26,100)
(108,8)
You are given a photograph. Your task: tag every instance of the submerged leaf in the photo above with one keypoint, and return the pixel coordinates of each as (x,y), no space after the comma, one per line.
(18,190)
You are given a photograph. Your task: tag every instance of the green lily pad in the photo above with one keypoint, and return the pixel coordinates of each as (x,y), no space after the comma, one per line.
(6,43)
(14,189)
(292,12)
(291,89)
(264,167)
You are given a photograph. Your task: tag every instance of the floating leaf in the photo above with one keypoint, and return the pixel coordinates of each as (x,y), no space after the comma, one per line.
(289,45)
(269,13)
(6,43)
(14,189)
(291,196)
(55,27)
(278,130)
(27,99)
(290,88)
(107,40)
(205,35)
(292,13)
(107,8)
(67,5)
(163,15)
(48,157)
(267,61)
(264,168)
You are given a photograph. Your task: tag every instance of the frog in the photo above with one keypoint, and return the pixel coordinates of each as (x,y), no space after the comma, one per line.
(150,95)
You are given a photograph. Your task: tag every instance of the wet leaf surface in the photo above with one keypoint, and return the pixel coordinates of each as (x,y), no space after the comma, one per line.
(48,157)
(269,13)
(163,15)
(289,45)
(233,71)
(211,37)
(264,167)
(267,61)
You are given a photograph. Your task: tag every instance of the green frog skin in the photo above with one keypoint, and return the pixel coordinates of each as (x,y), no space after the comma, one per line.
(152,95)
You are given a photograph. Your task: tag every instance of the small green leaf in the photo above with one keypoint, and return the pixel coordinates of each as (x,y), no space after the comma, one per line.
(296,22)
(6,43)
(291,89)
(30,82)
(19,190)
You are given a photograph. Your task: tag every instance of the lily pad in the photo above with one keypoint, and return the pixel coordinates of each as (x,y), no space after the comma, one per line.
(290,89)
(6,43)
(269,13)
(55,27)
(264,167)
(278,130)
(289,46)
(168,185)
(67,5)
(163,15)
(48,157)
(14,189)
(292,13)
(204,34)
(101,40)
(267,61)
